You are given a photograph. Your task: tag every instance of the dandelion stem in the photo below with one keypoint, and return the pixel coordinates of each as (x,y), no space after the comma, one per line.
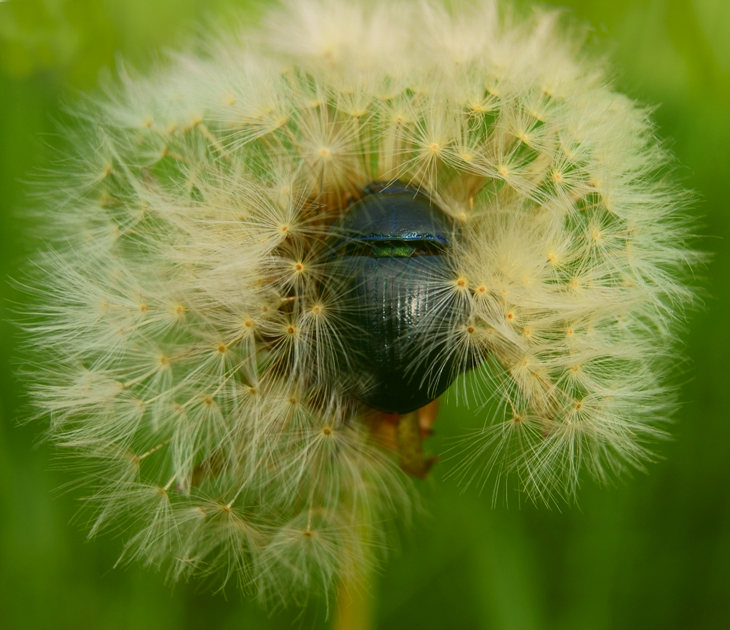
(354,609)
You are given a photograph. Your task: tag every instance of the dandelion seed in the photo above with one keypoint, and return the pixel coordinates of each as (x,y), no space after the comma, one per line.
(216,333)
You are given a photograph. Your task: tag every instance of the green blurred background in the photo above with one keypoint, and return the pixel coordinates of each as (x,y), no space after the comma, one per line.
(651,552)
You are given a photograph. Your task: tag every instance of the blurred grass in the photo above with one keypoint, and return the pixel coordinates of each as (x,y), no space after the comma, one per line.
(652,552)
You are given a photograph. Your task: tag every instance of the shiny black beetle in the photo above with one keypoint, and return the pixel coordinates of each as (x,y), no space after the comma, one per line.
(388,252)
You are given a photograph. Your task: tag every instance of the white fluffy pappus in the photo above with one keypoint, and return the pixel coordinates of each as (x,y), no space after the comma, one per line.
(189,336)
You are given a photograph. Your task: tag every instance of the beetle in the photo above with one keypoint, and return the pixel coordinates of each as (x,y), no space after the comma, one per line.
(387,252)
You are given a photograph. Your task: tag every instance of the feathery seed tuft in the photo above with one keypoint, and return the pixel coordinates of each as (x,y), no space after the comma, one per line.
(196,346)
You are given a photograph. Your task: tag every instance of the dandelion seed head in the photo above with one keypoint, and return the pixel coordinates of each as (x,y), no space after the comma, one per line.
(198,349)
